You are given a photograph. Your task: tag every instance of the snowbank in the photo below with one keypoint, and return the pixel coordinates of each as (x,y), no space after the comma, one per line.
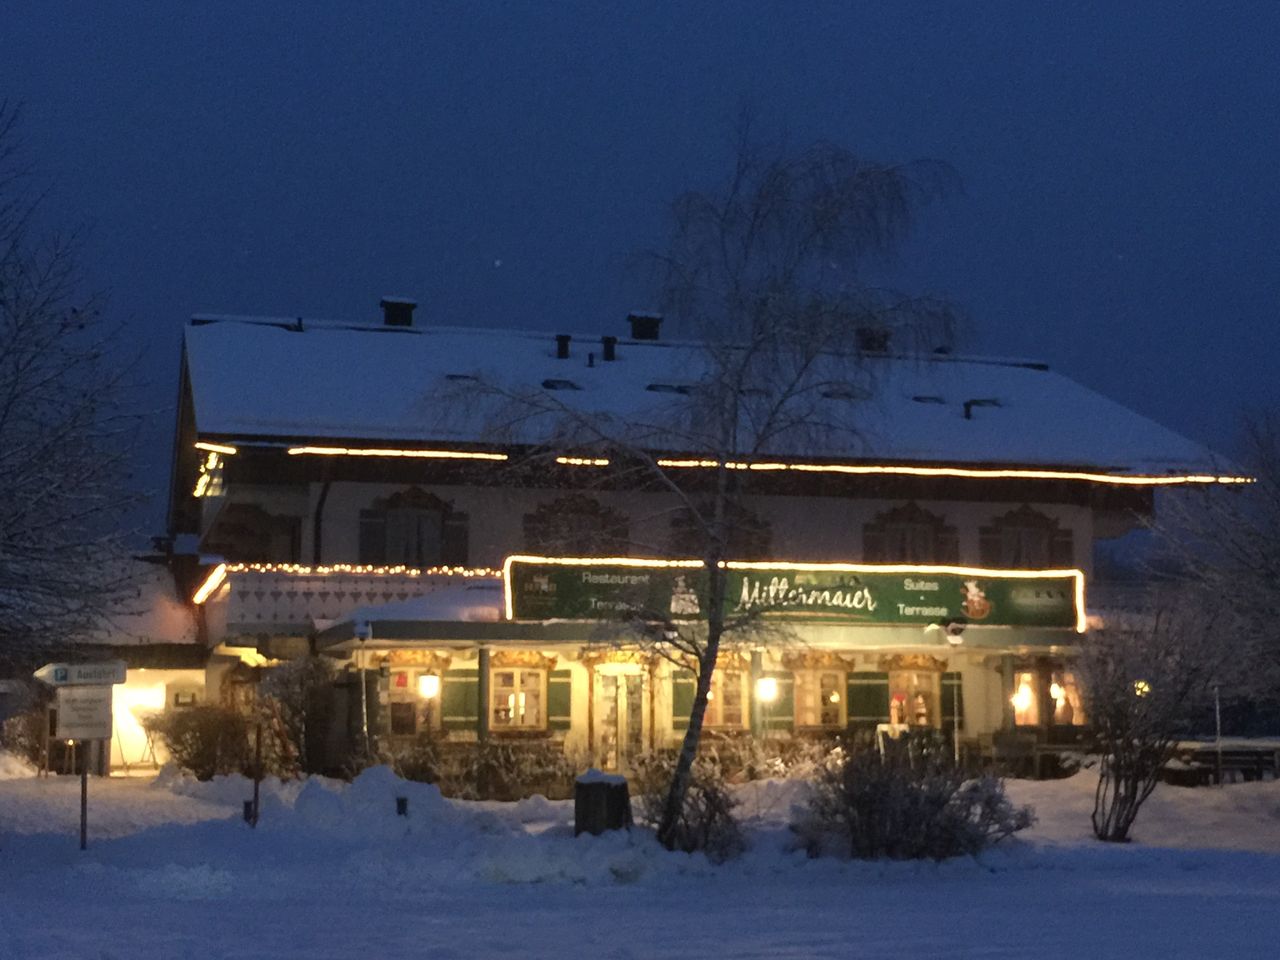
(13,767)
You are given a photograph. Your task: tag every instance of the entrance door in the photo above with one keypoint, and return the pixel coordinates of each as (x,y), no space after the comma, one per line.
(620,719)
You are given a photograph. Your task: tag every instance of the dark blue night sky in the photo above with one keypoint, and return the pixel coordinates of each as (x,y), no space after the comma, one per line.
(500,162)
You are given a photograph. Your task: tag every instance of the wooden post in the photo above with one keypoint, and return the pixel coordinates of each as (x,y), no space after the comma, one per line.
(482,722)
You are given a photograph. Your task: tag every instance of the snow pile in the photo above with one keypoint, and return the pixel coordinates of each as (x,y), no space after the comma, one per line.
(13,767)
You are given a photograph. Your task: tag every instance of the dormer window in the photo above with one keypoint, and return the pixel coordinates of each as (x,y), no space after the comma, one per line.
(559,385)
(680,388)
(461,377)
(928,398)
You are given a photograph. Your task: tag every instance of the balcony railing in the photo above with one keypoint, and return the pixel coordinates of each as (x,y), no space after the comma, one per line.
(293,600)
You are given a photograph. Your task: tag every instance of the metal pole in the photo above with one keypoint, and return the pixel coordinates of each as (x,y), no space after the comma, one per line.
(257,769)
(364,702)
(84,795)
(1217,719)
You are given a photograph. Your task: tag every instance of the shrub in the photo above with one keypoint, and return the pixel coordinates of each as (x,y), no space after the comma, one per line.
(909,803)
(707,822)
(494,770)
(205,740)
(23,734)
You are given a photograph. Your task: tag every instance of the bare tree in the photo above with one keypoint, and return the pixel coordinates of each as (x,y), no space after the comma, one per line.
(1224,543)
(64,435)
(1148,678)
(761,277)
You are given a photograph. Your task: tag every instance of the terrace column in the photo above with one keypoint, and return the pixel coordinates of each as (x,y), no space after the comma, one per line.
(482,705)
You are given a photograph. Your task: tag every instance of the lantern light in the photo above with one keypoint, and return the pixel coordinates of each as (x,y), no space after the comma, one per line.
(429,686)
(767,689)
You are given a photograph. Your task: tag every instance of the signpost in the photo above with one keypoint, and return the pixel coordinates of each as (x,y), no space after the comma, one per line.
(84,713)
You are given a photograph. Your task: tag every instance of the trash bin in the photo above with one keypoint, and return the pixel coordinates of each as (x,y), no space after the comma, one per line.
(600,802)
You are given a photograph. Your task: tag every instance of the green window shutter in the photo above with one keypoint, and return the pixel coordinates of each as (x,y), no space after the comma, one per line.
(460,700)
(952,701)
(559,699)
(868,699)
(781,713)
(683,688)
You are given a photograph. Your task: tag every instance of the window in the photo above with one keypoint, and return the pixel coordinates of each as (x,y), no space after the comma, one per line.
(516,699)
(748,535)
(727,699)
(412,701)
(820,698)
(245,532)
(1068,709)
(914,697)
(1025,538)
(577,525)
(1026,699)
(414,528)
(909,534)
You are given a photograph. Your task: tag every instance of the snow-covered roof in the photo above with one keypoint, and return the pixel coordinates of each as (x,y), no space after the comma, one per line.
(292,378)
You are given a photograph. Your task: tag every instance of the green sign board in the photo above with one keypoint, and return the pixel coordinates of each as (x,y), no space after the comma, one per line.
(548,589)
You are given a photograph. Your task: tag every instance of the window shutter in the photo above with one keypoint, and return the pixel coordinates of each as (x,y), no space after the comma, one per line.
(559,699)
(454,544)
(781,714)
(460,700)
(373,536)
(683,688)
(872,543)
(952,702)
(1061,549)
(868,697)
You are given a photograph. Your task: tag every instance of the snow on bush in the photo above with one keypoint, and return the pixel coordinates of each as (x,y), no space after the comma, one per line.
(706,823)
(13,767)
(909,802)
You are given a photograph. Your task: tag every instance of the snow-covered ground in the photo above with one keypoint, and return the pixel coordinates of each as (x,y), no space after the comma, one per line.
(332,872)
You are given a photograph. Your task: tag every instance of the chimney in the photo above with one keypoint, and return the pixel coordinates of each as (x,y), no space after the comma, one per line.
(562,346)
(397,311)
(644,326)
(610,347)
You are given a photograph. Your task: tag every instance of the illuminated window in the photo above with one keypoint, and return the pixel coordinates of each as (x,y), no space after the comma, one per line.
(726,706)
(413,528)
(1068,709)
(412,701)
(1025,538)
(820,698)
(576,525)
(915,697)
(516,699)
(1025,699)
(909,534)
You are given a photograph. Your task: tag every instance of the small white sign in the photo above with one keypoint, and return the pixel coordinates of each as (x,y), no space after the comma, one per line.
(84,713)
(72,674)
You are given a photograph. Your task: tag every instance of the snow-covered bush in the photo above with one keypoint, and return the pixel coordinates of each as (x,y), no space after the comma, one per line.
(908,803)
(706,823)
(23,734)
(205,740)
(745,758)
(494,770)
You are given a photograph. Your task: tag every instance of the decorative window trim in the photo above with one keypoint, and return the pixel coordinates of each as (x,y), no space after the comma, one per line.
(944,546)
(1059,544)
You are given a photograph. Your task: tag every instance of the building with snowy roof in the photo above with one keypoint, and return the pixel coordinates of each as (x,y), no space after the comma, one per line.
(351,489)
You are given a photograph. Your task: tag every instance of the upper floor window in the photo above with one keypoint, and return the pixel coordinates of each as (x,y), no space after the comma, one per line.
(246,533)
(747,536)
(910,534)
(414,528)
(576,525)
(1025,538)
